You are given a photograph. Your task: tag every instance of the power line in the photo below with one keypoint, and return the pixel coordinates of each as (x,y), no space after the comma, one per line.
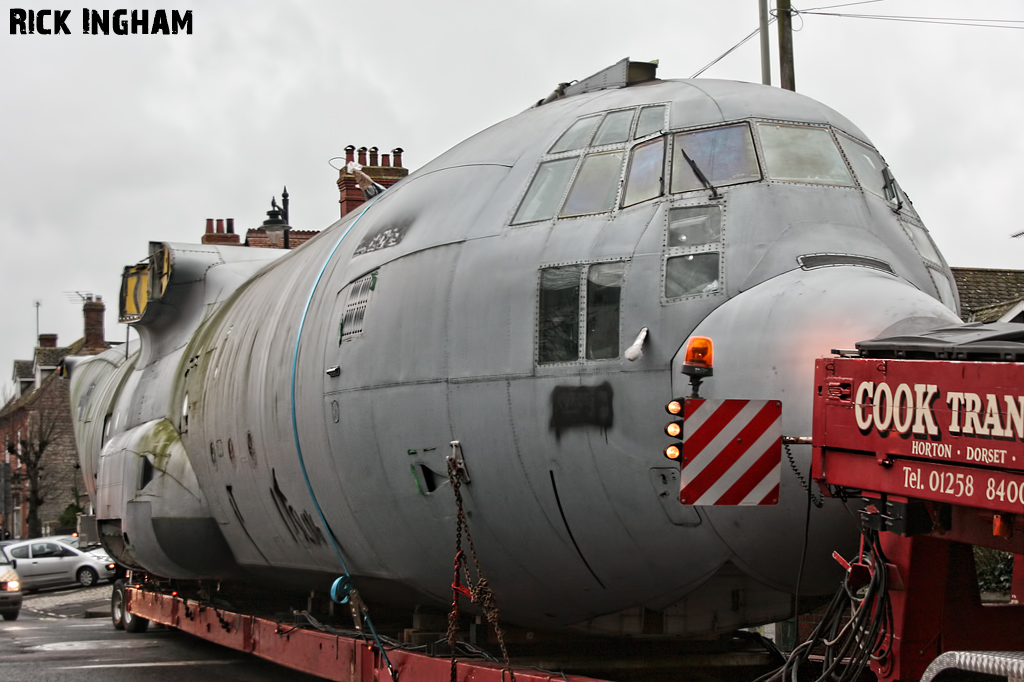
(944,21)
(732,49)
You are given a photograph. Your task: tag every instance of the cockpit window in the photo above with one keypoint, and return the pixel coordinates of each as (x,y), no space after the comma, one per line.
(579,302)
(652,120)
(922,241)
(696,273)
(802,154)
(646,170)
(694,226)
(595,186)
(546,191)
(724,155)
(577,136)
(614,128)
(867,164)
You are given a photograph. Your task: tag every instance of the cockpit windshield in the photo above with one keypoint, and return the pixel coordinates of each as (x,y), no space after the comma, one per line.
(724,155)
(802,154)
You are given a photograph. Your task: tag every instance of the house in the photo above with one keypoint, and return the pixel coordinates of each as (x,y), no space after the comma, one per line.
(990,295)
(40,412)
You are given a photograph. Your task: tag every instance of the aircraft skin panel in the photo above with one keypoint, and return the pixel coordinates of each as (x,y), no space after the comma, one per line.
(316,391)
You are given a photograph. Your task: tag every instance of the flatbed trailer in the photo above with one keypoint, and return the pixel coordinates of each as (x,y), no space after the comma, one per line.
(927,438)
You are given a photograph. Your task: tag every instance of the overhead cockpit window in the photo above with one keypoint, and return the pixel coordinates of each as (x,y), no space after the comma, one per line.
(595,186)
(692,274)
(546,191)
(578,312)
(802,154)
(867,164)
(614,128)
(652,120)
(922,241)
(725,156)
(646,170)
(577,136)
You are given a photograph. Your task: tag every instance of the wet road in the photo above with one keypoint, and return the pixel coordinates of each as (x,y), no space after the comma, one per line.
(52,640)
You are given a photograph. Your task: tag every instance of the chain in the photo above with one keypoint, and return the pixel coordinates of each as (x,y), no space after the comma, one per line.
(480,593)
(819,502)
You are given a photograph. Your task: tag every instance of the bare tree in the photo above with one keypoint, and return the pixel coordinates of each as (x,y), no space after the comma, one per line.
(36,437)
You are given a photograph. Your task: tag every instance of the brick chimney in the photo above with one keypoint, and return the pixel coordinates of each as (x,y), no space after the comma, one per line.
(93,310)
(221,236)
(386,174)
(47,340)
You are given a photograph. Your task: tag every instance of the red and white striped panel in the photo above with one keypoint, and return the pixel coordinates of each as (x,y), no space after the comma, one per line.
(732,450)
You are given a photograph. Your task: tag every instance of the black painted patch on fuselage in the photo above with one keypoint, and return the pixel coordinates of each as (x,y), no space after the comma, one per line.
(581,406)
(302,527)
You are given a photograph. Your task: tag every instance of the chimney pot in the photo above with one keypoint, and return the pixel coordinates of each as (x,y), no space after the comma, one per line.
(350,154)
(209,226)
(231,226)
(362,156)
(373,156)
(385,160)
(47,340)
(396,153)
(220,226)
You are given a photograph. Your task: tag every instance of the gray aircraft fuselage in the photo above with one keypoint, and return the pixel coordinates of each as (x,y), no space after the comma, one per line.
(282,398)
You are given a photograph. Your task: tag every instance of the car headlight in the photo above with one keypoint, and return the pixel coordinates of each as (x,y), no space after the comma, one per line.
(10,586)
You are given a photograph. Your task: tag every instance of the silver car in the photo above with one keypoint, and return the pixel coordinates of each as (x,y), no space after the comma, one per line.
(46,563)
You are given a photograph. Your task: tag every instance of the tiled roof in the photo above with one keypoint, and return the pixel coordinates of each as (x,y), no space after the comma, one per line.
(51,357)
(982,288)
(257,238)
(23,369)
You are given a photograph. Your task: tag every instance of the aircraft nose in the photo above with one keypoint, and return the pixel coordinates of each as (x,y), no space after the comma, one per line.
(766,340)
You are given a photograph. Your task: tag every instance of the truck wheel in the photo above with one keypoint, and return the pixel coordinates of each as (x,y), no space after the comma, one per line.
(11,615)
(87,577)
(117,605)
(132,623)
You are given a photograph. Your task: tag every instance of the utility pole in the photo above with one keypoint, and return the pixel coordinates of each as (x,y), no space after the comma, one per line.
(785,16)
(766,54)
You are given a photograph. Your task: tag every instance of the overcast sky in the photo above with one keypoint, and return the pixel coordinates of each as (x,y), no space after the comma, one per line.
(109,142)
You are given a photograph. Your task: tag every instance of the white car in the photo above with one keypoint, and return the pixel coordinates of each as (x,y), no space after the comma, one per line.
(46,563)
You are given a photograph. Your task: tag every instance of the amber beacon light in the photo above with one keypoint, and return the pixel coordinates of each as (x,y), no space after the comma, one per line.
(699,357)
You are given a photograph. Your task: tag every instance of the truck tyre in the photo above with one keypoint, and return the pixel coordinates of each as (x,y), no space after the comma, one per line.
(87,577)
(132,623)
(11,615)
(117,605)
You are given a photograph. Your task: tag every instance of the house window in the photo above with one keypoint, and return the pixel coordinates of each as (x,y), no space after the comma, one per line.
(578,312)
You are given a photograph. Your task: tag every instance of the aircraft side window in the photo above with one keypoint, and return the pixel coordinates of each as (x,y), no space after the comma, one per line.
(615,127)
(577,136)
(725,156)
(867,164)
(604,290)
(646,170)
(546,191)
(578,301)
(651,120)
(802,154)
(559,314)
(691,274)
(595,186)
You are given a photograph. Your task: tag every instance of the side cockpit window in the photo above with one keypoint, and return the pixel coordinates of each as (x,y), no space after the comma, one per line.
(546,191)
(577,136)
(578,312)
(595,186)
(692,254)
(646,170)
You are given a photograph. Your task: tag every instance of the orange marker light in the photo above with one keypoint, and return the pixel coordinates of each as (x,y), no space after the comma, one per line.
(700,352)
(674,429)
(675,407)
(673,452)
